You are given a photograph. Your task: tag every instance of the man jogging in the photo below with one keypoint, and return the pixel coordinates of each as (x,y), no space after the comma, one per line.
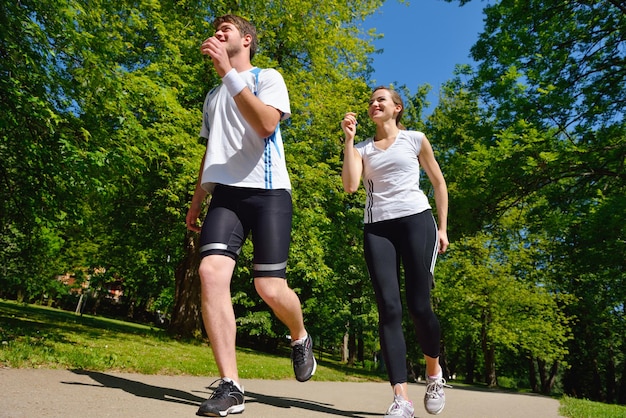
(244,170)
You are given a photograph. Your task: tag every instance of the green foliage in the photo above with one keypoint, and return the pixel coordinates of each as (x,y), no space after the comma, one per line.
(486,302)
(559,63)
(549,145)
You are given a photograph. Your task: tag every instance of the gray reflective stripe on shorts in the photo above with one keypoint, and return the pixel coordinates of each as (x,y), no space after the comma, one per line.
(270,267)
(216,246)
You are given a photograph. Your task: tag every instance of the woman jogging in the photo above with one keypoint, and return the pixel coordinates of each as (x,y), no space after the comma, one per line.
(400,227)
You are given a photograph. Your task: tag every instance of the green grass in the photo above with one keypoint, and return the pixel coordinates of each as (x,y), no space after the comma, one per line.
(34,336)
(581,408)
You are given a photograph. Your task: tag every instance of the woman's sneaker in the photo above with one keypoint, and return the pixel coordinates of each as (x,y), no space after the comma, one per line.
(226,399)
(304,363)
(435,399)
(400,408)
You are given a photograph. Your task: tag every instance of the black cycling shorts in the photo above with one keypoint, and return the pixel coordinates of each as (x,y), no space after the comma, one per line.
(234,212)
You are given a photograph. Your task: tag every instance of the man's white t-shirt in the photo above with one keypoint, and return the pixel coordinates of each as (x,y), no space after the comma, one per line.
(392,178)
(236,155)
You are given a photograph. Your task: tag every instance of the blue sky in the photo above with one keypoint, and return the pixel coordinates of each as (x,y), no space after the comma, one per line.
(424,41)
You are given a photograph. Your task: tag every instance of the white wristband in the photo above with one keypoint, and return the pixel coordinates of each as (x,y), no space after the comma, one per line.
(233,82)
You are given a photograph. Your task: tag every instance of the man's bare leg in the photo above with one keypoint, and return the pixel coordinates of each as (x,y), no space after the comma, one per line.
(284,303)
(217,312)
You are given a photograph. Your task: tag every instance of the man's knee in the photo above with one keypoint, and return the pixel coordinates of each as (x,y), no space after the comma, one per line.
(215,270)
(270,288)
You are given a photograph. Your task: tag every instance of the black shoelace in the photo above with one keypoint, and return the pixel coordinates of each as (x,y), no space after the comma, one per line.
(299,354)
(222,390)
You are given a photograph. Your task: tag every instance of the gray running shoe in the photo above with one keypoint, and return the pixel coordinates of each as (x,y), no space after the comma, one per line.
(226,399)
(400,408)
(304,363)
(435,399)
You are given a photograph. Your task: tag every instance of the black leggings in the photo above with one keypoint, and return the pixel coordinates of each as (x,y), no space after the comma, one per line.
(412,240)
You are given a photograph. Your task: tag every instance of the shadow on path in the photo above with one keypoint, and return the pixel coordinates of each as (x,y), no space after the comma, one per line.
(144,390)
(138,388)
(294,403)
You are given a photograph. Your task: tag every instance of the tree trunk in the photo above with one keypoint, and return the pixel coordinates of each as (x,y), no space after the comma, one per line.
(596,391)
(541,364)
(470,362)
(621,397)
(611,378)
(490,366)
(548,379)
(489,354)
(361,349)
(344,348)
(187,314)
(547,389)
(532,375)
(351,349)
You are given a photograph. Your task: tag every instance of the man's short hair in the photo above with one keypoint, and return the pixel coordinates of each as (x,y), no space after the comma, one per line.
(244,27)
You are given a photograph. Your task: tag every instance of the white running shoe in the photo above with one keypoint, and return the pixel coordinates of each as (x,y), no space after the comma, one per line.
(435,399)
(400,408)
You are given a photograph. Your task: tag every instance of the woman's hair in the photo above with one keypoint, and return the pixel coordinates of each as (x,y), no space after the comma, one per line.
(395,97)
(244,27)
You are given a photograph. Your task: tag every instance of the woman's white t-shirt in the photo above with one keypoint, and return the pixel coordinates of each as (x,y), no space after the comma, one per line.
(392,178)
(236,155)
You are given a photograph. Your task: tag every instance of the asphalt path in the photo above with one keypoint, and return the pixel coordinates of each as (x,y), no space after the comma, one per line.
(77,393)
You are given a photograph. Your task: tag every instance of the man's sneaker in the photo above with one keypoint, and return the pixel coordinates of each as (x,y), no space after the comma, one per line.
(304,363)
(226,399)
(400,408)
(435,399)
